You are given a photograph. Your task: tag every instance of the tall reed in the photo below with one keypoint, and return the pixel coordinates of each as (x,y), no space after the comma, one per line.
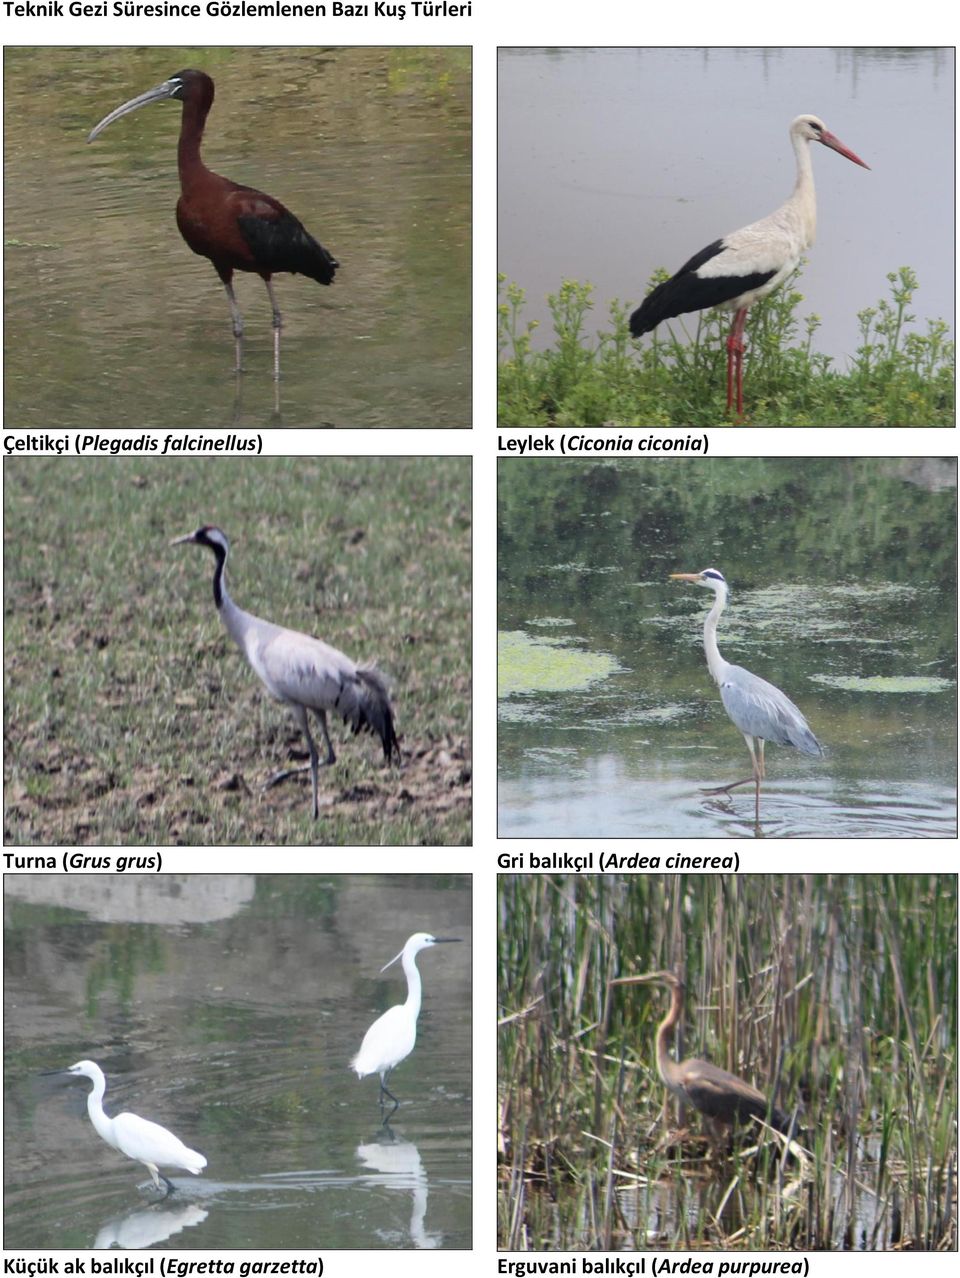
(836,995)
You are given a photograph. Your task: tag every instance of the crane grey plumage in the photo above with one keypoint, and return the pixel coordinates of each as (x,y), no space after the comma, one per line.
(302,672)
(761,711)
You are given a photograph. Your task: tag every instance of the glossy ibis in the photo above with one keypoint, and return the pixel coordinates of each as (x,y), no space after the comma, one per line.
(237,227)
(734,272)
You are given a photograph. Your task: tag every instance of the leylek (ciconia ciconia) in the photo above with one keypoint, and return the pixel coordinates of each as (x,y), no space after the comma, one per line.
(734,272)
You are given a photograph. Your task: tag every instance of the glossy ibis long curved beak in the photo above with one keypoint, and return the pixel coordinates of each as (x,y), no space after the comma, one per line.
(836,145)
(168,89)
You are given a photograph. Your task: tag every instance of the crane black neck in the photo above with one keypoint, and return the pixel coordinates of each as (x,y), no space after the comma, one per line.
(219,585)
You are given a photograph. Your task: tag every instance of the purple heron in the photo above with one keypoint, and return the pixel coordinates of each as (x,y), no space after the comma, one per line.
(721,1096)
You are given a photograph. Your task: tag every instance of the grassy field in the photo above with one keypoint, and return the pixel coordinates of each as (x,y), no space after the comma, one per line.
(129,714)
(898,377)
(836,995)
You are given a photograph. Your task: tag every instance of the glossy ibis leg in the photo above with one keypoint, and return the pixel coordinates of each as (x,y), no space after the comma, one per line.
(277,325)
(237,322)
(735,358)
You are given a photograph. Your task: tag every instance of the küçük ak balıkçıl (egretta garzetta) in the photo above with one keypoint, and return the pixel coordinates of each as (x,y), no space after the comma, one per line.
(137,1137)
(759,709)
(392,1037)
(302,672)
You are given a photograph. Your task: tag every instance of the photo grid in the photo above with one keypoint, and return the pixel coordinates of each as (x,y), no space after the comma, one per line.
(277,989)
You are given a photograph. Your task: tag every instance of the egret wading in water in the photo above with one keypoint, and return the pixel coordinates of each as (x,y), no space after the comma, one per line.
(761,711)
(138,1138)
(721,1096)
(392,1037)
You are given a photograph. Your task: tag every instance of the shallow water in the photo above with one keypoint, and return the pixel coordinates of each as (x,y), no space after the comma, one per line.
(228,1007)
(614,162)
(839,570)
(112,321)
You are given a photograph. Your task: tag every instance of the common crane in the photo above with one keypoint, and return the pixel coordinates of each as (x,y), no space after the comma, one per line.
(302,672)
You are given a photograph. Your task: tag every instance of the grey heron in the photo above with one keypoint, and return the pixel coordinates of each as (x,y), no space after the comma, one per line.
(761,711)
(137,1137)
(302,672)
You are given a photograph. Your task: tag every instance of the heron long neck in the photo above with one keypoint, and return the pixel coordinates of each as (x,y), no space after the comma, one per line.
(414,988)
(667,1067)
(715,663)
(804,197)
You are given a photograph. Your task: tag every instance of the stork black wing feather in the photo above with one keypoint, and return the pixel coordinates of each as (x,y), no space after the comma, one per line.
(688,291)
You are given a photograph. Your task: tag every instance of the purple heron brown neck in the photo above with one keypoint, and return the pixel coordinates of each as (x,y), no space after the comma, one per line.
(715,1092)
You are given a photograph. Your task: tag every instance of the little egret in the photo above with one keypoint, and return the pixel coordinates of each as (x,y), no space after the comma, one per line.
(138,1138)
(392,1037)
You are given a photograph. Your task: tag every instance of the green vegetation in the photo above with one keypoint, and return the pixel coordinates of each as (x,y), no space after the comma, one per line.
(129,715)
(836,995)
(899,378)
(545,664)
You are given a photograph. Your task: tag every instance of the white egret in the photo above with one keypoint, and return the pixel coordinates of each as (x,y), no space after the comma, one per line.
(392,1037)
(138,1138)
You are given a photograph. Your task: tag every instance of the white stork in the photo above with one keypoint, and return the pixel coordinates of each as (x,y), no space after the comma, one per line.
(734,272)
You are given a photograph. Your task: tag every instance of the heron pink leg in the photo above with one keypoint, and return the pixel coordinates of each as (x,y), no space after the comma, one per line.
(735,358)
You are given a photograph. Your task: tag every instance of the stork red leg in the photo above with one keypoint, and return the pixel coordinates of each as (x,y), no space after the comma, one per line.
(735,357)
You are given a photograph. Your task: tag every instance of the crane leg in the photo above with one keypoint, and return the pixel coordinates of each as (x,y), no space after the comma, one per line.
(237,324)
(277,325)
(735,360)
(314,765)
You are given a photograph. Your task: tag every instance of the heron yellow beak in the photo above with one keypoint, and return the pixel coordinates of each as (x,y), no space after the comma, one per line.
(685,576)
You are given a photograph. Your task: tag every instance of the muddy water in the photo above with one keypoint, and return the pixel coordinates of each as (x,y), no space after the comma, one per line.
(370,148)
(228,1007)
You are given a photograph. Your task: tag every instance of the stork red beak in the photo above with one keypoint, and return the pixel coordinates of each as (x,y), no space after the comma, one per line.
(836,145)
